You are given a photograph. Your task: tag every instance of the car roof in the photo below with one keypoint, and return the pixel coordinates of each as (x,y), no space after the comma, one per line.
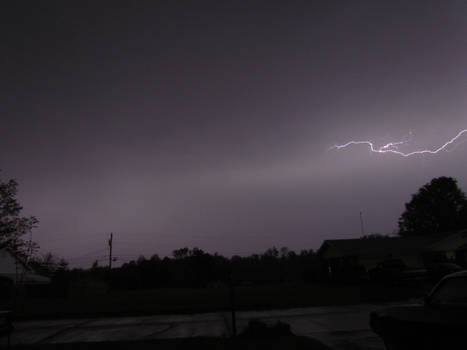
(462,273)
(459,274)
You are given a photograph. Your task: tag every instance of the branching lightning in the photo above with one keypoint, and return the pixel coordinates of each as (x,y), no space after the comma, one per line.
(391,147)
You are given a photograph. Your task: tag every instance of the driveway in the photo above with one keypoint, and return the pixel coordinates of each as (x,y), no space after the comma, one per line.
(339,327)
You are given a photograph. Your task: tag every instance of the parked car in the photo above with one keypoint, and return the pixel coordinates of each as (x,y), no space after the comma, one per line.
(440,322)
(387,270)
(395,271)
(436,271)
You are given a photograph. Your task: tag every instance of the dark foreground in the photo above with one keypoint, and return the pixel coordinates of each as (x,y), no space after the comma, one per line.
(338,327)
(290,342)
(186,301)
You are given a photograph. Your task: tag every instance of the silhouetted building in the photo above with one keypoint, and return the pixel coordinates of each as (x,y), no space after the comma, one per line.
(368,252)
(452,247)
(17,271)
(363,254)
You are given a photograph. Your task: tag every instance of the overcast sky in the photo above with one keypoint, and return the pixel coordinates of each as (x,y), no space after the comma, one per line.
(209,123)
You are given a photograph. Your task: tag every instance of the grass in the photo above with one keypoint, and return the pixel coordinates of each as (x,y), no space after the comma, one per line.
(164,301)
(291,342)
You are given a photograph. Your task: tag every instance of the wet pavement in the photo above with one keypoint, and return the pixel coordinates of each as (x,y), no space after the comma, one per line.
(339,327)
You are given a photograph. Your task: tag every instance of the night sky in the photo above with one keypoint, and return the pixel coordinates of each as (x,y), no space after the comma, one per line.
(209,123)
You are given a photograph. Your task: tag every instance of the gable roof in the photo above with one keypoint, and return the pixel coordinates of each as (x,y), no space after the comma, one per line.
(15,269)
(375,247)
(11,263)
(6,249)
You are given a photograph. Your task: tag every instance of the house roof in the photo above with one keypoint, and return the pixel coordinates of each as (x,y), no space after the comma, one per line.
(4,248)
(27,278)
(14,268)
(383,246)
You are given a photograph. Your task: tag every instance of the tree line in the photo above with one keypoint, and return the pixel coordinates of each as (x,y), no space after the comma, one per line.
(194,268)
(439,207)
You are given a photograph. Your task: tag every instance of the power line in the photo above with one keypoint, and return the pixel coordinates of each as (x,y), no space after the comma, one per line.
(94,252)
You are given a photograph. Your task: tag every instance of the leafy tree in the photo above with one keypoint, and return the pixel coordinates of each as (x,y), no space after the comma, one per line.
(13,227)
(181,253)
(439,206)
(48,264)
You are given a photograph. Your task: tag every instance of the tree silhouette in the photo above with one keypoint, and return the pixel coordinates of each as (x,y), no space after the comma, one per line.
(439,206)
(13,226)
(49,264)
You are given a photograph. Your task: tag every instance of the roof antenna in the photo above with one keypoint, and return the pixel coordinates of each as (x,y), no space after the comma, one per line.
(361,224)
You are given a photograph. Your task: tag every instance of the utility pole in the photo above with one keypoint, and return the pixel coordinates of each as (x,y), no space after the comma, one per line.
(110,251)
(361,224)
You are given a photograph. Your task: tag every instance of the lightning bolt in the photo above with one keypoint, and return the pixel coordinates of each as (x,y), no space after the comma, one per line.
(391,147)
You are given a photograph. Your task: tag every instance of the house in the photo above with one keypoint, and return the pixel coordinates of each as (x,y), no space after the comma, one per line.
(451,247)
(16,270)
(15,273)
(343,255)
(366,253)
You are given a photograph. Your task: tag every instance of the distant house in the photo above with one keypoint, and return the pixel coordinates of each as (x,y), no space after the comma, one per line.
(366,253)
(415,252)
(14,273)
(452,247)
(16,270)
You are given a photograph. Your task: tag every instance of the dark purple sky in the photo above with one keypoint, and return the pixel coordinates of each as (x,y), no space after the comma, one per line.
(209,123)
